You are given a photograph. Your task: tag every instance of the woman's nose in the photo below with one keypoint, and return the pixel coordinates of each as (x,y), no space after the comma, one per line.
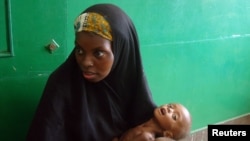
(87,61)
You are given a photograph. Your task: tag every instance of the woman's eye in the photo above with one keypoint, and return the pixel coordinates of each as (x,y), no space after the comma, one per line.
(79,51)
(99,53)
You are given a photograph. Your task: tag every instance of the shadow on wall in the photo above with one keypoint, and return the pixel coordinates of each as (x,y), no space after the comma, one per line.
(15,122)
(18,104)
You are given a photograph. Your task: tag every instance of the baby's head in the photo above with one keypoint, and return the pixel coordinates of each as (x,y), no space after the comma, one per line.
(174,119)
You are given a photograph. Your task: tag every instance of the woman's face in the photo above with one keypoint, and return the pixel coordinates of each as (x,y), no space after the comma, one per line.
(94,56)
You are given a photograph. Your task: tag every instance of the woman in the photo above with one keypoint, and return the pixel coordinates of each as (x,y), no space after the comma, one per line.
(100,91)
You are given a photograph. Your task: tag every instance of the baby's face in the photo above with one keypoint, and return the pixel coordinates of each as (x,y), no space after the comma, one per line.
(173,117)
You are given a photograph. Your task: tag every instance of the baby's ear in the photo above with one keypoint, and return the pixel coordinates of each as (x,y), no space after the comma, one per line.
(168,134)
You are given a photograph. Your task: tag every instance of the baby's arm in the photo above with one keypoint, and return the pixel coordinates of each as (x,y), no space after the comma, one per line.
(136,135)
(144,136)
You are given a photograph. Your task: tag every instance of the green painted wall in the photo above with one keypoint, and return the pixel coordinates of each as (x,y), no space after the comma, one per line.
(22,77)
(195,52)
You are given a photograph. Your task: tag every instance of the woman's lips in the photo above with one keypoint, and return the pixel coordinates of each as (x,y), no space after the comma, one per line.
(88,75)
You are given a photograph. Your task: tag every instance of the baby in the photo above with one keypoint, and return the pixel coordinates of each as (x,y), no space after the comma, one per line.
(170,120)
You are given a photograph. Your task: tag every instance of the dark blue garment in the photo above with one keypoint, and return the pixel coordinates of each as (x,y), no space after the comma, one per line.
(73,109)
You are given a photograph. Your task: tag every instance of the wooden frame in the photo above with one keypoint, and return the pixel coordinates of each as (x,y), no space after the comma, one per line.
(8,52)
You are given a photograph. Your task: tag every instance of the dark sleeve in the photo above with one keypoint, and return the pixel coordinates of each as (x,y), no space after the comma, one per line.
(142,106)
(47,124)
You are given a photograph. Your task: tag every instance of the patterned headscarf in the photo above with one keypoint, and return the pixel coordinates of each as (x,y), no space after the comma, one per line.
(93,22)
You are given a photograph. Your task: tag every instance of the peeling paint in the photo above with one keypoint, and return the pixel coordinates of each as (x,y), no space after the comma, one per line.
(14,68)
